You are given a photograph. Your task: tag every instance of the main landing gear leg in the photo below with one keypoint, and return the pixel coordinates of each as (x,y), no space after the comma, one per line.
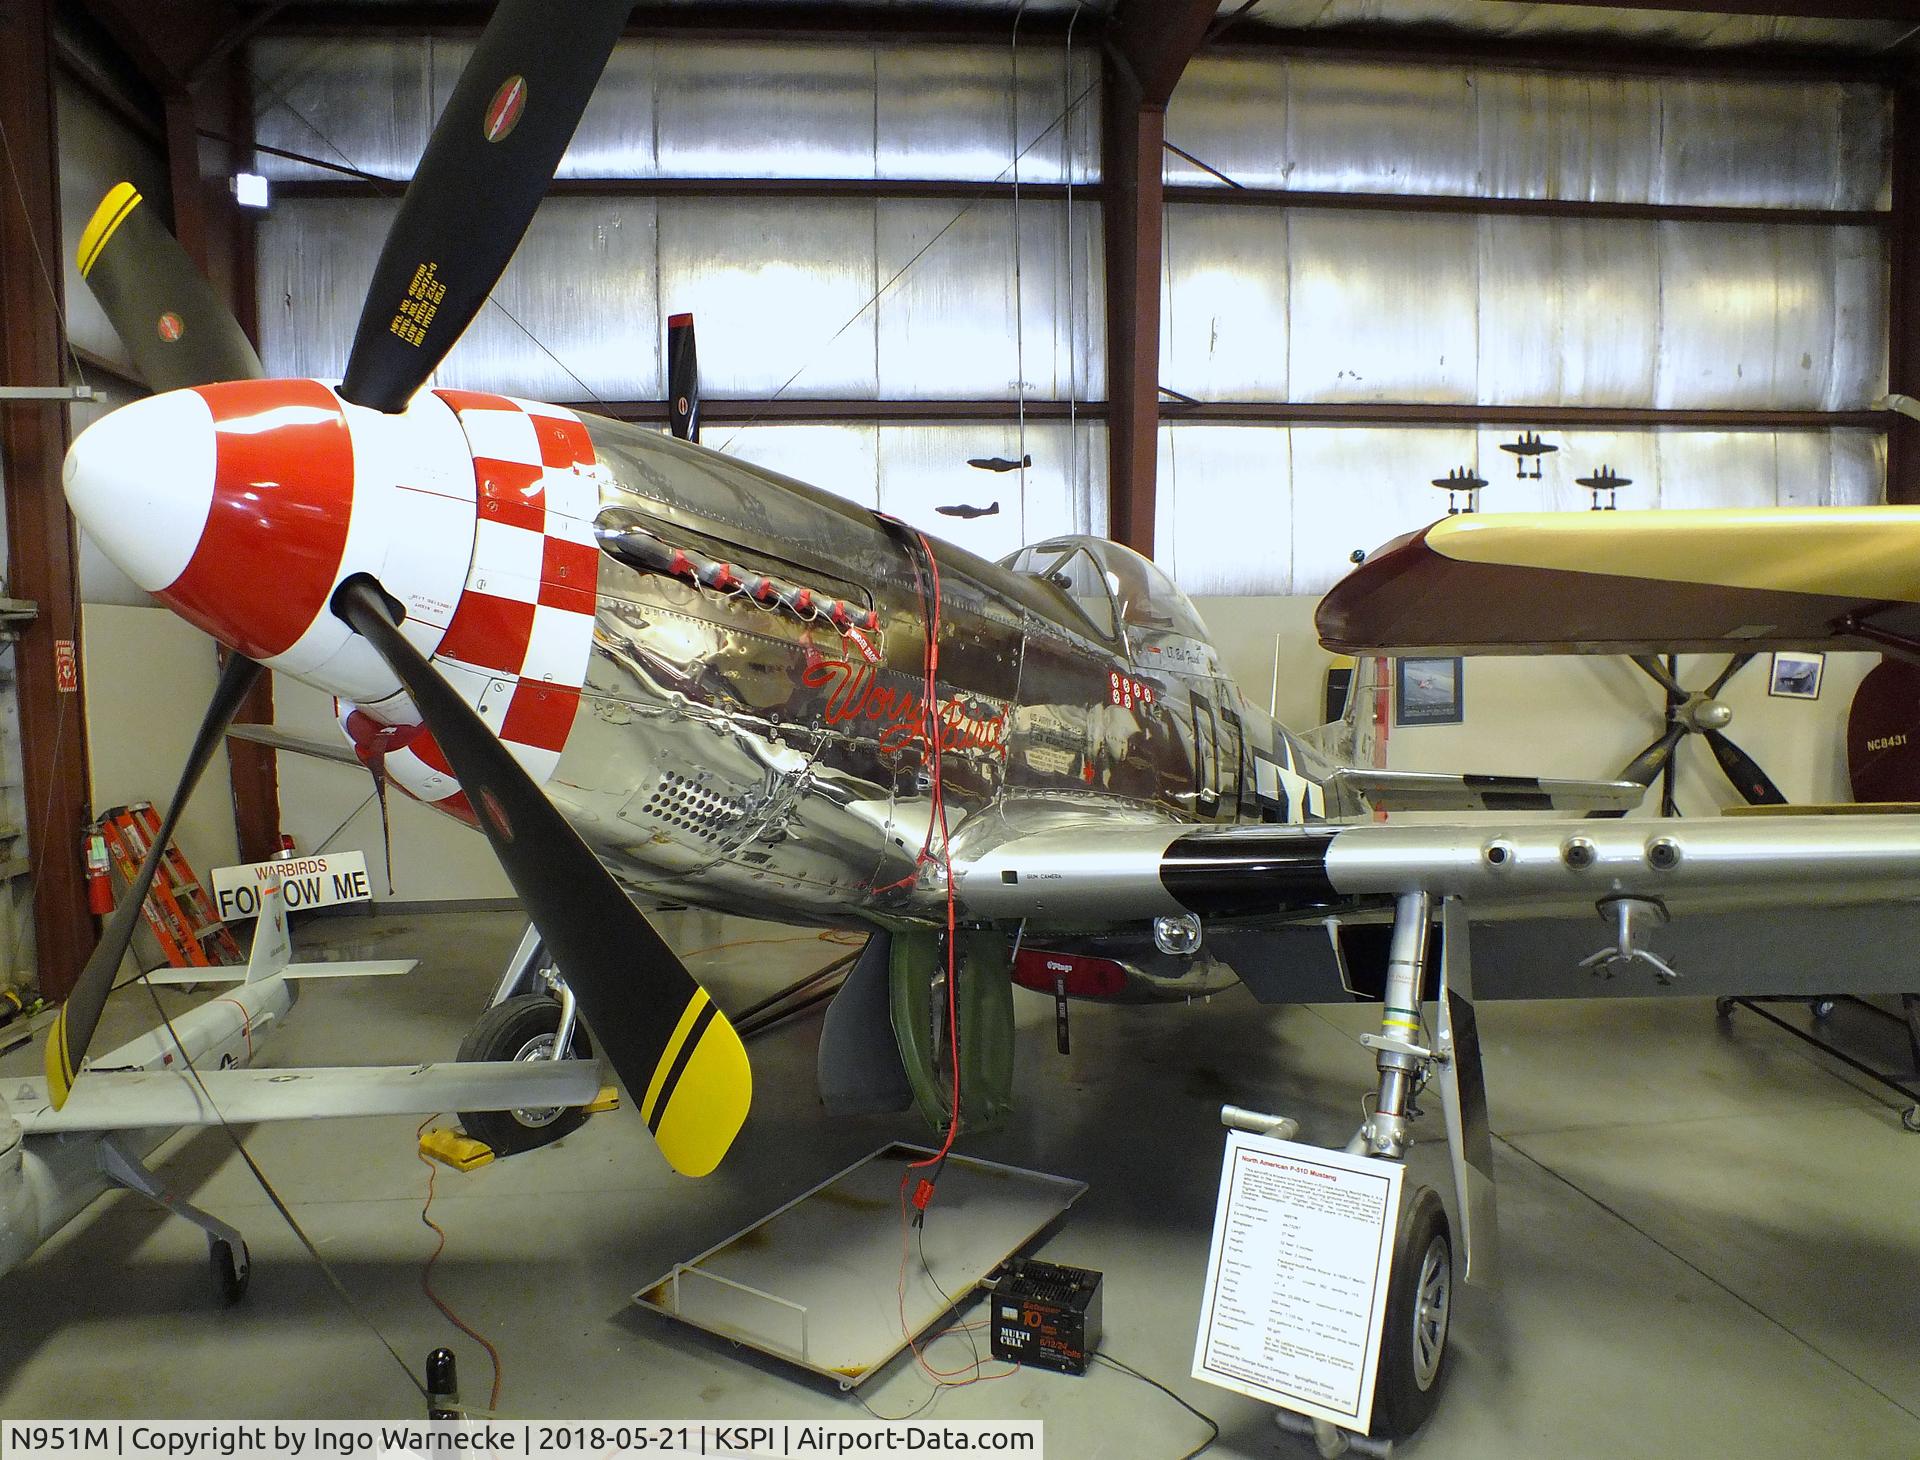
(533,1016)
(1420,1291)
(226,1248)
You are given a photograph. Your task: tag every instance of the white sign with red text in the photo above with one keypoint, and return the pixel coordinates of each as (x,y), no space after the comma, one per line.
(304,882)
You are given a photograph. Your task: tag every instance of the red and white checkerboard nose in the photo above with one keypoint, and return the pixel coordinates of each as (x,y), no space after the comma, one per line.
(229,503)
(242,506)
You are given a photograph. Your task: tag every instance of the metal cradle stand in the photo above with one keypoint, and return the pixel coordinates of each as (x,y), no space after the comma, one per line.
(1908,1018)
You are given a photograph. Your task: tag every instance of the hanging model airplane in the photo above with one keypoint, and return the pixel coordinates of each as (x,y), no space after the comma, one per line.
(193,1070)
(643,668)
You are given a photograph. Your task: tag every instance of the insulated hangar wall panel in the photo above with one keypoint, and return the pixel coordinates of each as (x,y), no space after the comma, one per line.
(1271,304)
(874,296)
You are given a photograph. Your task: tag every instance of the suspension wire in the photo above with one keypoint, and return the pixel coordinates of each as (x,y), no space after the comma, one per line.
(390,187)
(1019,296)
(354,1305)
(39,258)
(1073,294)
(900,273)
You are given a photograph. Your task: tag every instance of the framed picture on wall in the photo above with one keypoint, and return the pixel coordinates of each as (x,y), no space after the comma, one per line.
(1428,692)
(1796,676)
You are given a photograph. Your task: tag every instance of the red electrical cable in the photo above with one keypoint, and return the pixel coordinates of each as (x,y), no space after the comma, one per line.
(426,1273)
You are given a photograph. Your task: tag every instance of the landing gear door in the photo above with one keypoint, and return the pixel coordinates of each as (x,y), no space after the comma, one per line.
(1463,1097)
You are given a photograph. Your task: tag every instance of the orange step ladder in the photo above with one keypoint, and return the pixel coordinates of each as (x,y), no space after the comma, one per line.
(179,912)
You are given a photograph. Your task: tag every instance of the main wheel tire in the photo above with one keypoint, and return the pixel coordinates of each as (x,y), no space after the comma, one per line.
(231,1270)
(1413,1346)
(521,1028)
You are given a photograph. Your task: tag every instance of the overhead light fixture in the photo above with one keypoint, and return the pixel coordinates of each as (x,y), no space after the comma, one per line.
(250,190)
(1462,486)
(1528,448)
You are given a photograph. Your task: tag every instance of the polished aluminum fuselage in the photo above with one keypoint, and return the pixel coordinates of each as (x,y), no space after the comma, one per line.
(741,756)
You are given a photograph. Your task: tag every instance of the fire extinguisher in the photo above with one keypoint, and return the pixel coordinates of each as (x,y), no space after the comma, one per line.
(99,884)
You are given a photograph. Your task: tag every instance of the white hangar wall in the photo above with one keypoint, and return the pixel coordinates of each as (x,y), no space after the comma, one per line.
(1417,295)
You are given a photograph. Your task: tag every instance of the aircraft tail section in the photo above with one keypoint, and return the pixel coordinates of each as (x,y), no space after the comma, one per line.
(1355,732)
(272,943)
(272,956)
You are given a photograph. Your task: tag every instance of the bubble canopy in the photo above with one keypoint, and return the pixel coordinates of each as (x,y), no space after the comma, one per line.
(1105,579)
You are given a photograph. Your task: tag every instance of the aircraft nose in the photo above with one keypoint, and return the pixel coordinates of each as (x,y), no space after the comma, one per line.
(229,503)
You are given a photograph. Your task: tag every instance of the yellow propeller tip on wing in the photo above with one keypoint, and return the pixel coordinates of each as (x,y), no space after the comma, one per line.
(59,1062)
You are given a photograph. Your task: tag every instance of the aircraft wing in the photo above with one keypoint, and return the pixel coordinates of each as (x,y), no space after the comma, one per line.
(1433,791)
(1126,875)
(139,1099)
(321,747)
(1714,581)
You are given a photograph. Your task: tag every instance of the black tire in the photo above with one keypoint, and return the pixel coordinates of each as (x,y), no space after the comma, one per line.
(231,1271)
(514,1030)
(1413,1347)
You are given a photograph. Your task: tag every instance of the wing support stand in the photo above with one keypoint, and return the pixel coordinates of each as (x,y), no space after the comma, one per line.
(226,1248)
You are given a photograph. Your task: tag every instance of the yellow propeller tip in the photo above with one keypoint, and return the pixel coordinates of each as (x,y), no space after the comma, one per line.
(59,1062)
(120,201)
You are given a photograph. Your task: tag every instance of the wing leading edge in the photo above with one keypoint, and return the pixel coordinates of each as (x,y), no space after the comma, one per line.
(1128,875)
(1634,582)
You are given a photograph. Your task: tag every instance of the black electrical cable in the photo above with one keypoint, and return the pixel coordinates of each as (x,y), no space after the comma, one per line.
(1206,1419)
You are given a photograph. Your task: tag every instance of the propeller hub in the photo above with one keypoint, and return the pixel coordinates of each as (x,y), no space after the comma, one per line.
(229,503)
(1702,713)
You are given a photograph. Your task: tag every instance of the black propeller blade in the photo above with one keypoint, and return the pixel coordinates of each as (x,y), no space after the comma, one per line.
(80,1015)
(683,379)
(484,172)
(165,312)
(676,1052)
(1651,666)
(1648,764)
(1734,665)
(1745,773)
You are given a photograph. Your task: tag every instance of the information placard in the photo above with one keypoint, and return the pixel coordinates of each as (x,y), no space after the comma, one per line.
(1296,1290)
(304,882)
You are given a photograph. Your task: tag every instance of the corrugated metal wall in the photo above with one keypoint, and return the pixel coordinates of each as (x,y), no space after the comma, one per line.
(880,295)
(1278,302)
(864,297)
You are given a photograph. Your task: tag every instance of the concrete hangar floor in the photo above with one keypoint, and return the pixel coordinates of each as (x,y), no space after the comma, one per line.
(1709,1236)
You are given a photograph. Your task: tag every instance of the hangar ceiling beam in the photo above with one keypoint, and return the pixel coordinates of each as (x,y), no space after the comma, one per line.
(1793,10)
(1903,295)
(1148,45)
(42,558)
(1429,45)
(175,45)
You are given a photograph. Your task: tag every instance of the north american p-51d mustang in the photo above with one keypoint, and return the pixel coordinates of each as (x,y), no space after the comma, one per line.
(643,668)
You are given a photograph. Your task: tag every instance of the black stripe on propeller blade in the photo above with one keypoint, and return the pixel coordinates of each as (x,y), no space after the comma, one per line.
(488,164)
(686,1070)
(80,1015)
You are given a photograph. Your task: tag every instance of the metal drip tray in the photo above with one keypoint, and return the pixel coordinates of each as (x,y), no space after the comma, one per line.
(818,1282)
